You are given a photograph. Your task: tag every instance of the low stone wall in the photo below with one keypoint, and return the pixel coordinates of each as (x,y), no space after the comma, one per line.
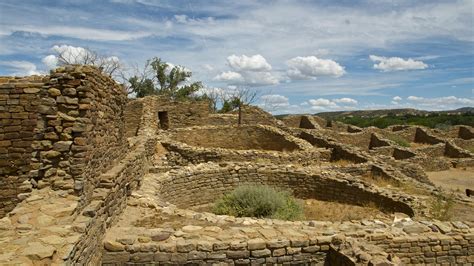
(432,249)
(109,199)
(422,136)
(339,152)
(183,154)
(205,185)
(466,133)
(239,138)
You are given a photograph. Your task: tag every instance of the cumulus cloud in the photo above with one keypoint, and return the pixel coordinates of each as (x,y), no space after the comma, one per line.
(79,55)
(248,70)
(259,78)
(249,63)
(387,64)
(21,68)
(334,104)
(397,98)
(50,61)
(321,103)
(346,101)
(231,76)
(311,67)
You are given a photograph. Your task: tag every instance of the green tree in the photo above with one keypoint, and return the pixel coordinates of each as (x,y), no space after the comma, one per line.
(157,79)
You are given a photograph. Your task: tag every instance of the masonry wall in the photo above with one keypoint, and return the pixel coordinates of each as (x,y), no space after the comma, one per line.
(432,249)
(206,186)
(182,154)
(63,130)
(19,101)
(109,199)
(183,113)
(240,138)
(132,115)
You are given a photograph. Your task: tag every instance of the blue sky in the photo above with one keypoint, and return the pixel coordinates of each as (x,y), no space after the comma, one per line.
(302,56)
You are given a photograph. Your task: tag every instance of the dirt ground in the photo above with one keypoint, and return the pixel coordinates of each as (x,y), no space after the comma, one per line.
(456,179)
(334,211)
(326,211)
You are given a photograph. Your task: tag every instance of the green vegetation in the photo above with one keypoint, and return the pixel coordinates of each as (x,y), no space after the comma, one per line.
(259,201)
(441,207)
(399,141)
(434,120)
(158,79)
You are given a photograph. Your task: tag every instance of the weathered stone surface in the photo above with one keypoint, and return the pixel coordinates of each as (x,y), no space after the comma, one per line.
(113,246)
(38,251)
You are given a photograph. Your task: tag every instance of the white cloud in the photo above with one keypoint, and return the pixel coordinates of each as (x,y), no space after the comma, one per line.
(272,101)
(397,98)
(321,104)
(346,101)
(77,55)
(441,102)
(248,63)
(21,68)
(181,18)
(414,98)
(71,54)
(259,78)
(248,71)
(312,67)
(387,64)
(230,76)
(50,61)
(84,33)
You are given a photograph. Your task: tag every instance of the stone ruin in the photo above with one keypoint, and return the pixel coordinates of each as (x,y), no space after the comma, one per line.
(89,177)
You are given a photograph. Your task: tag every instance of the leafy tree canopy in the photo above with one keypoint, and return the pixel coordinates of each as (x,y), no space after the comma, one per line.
(160,78)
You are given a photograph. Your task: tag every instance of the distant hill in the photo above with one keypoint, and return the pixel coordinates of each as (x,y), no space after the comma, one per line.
(390,112)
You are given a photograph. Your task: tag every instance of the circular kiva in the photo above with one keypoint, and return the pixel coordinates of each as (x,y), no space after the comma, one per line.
(244,137)
(203,184)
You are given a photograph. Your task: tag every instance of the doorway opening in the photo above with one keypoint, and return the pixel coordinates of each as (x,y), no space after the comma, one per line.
(163,119)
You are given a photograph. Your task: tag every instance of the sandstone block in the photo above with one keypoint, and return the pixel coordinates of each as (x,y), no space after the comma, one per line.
(111,245)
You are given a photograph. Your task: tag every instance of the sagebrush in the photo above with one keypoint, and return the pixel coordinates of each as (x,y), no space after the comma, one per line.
(261,202)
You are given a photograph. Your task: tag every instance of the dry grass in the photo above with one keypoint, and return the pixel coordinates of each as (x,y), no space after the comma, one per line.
(342,162)
(334,211)
(407,187)
(441,207)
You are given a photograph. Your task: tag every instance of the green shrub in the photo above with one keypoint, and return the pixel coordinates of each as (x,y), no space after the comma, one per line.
(261,202)
(399,141)
(441,207)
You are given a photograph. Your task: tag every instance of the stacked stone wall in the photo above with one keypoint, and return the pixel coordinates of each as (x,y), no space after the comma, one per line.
(205,186)
(68,129)
(19,101)
(235,137)
(432,249)
(182,154)
(132,115)
(109,199)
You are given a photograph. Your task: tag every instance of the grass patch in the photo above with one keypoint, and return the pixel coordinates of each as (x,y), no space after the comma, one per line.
(470,148)
(407,186)
(441,207)
(261,202)
(399,141)
(342,162)
(335,211)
